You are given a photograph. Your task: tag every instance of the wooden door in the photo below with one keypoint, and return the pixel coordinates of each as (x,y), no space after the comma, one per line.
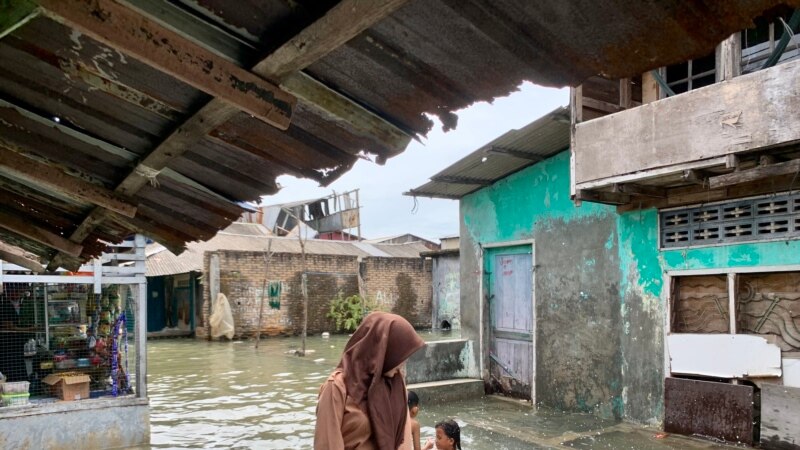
(511,323)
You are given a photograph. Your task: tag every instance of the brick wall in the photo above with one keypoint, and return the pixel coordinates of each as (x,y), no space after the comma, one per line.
(401,285)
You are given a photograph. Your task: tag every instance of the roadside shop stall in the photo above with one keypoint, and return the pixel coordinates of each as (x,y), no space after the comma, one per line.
(70,345)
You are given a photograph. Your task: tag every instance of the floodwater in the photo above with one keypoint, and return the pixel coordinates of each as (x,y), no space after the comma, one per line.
(230,395)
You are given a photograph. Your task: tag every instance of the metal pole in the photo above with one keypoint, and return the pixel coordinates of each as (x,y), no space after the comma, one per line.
(141,341)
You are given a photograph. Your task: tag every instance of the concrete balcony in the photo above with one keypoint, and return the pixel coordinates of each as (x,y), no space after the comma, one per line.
(701,142)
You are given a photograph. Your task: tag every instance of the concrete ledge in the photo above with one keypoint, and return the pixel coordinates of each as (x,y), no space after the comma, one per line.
(443,391)
(442,360)
(94,404)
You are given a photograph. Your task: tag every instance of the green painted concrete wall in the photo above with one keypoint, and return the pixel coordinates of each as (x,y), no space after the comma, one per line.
(577,308)
(574,247)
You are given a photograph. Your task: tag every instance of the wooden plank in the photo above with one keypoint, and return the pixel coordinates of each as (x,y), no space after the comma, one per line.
(641,190)
(715,121)
(625,93)
(600,105)
(51,178)
(724,355)
(649,88)
(780,417)
(695,176)
(15,224)
(729,58)
(341,23)
(611,198)
(755,174)
(14,256)
(14,14)
(718,410)
(131,33)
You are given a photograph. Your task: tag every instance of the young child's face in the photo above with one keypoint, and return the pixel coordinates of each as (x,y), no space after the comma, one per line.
(442,441)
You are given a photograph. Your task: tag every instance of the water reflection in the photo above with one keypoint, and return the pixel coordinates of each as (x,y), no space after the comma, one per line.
(230,395)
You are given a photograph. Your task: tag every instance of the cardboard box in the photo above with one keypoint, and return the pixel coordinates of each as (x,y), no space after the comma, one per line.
(68,386)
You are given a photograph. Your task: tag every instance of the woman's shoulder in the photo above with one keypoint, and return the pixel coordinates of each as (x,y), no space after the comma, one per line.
(336,380)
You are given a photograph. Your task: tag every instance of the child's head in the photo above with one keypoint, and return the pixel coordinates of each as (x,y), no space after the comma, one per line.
(448,435)
(413,404)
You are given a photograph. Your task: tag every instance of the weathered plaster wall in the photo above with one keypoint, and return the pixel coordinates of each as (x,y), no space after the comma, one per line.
(576,281)
(98,427)
(441,360)
(446,291)
(643,302)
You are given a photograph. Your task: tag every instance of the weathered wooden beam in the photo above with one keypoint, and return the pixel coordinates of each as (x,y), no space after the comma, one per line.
(13,223)
(757,173)
(732,161)
(129,32)
(15,256)
(600,105)
(51,178)
(695,176)
(216,112)
(729,58)
(640,190)
(14,14)
(610,198)
(452,179)
(515,153)
(341,23)
(625,93)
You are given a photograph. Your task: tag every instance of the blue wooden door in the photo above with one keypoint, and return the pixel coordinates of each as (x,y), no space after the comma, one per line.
(511,323)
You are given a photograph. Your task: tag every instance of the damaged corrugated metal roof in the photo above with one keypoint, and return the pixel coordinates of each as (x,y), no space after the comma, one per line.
(252,240)
(509,153)
(159,116)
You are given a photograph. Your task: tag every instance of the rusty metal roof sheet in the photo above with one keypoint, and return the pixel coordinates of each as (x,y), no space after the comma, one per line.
(139,103)
(495,160)
(250,239)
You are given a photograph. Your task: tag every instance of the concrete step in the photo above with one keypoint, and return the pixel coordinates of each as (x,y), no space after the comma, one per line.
(434,392)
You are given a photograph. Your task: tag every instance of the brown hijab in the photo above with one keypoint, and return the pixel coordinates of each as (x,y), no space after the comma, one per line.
(381,343)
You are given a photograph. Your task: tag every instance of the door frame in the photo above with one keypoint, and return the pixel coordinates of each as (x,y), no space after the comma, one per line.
(483,313)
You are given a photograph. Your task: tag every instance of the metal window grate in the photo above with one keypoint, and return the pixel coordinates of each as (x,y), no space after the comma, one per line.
(773,217)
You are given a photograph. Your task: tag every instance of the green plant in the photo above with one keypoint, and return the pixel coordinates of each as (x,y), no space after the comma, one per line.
(348,312)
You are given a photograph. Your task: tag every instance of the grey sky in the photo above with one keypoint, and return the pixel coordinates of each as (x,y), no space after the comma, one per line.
(385,211)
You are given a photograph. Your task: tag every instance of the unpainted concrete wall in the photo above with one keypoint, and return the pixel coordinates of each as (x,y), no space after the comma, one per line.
(441,360)
(117,427)
(446,291)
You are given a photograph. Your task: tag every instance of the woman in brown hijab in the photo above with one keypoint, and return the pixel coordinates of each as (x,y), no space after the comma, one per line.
(362,405)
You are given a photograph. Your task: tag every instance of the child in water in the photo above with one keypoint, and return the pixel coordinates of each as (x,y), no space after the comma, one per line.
(413,410)
(448,436)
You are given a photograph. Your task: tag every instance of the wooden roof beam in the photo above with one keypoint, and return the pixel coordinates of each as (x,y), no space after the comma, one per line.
(139,37)
(640,190)
(755,174)
(14,256)
(14,14)
(610,198)
(515,153)
(695,176)
(55,179)
(14,224)
(321,33)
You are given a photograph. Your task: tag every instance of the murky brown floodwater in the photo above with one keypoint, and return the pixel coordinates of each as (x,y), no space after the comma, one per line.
(229,395)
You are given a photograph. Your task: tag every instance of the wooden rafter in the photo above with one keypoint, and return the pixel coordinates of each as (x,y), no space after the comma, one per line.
(339,25)
(129,32)
(52,178)
(640,190)
(14,224)
(611,198)
(755,174)
(16,256)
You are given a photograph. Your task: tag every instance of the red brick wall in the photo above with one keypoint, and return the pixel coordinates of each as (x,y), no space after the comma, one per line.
(401,285)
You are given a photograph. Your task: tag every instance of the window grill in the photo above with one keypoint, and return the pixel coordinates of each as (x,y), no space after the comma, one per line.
(764,218)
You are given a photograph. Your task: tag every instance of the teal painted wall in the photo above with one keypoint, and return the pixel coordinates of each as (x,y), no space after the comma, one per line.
(576,290)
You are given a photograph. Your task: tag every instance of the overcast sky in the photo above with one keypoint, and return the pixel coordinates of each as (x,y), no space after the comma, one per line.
(384,210)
